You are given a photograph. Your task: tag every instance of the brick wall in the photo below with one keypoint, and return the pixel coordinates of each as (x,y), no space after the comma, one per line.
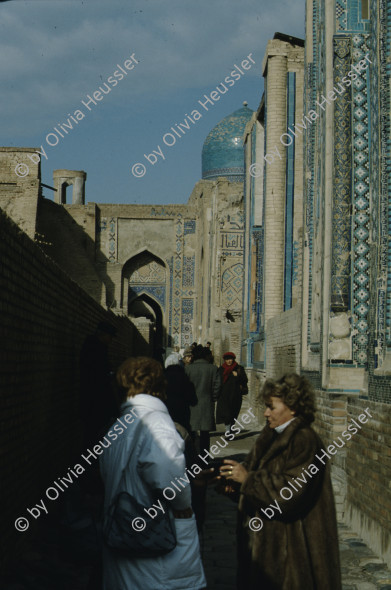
(329,423)
(362,468)
(69,241)
(368,468)
(283,336)
(44,318)
(19,186)
(331,415)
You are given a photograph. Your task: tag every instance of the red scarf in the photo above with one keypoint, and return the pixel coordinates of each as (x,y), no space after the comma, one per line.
(228,370)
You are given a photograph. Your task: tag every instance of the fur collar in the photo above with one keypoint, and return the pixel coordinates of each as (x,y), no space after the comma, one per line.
(270,444)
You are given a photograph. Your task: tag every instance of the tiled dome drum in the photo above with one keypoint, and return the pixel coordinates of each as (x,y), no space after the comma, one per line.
(222,153)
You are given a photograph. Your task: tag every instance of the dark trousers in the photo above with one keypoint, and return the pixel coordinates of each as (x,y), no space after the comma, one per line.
(201,441)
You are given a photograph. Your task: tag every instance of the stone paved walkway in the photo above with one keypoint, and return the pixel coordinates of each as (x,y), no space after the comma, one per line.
(58,559)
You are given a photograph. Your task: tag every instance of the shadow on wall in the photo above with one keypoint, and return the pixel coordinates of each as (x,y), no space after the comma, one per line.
(68,243)
(146,314)
(45,319)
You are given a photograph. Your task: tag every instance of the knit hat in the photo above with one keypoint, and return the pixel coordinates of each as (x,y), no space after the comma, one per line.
(229,355)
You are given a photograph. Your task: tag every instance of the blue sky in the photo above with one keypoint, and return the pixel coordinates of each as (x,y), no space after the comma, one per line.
(54,53)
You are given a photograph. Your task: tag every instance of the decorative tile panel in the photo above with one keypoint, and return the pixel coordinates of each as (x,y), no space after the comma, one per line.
(341,220)
(187,322)
(157,292)
(188,271)
(112,240)
(383,206)
(189,227)
(232,287)
(170,263)
(361,206)
(176,322)
(259,249)
(147,271)
(147,275)
(348,16)
(289,192)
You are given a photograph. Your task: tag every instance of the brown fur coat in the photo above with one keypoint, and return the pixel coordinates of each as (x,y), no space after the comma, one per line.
(296,549)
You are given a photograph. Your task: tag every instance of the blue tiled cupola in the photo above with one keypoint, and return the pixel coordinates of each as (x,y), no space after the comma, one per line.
(222,152)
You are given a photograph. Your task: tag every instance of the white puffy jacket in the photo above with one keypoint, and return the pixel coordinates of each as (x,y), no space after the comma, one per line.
(156,460)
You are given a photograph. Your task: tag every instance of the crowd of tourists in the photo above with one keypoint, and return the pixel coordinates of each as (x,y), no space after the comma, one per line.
(155,484)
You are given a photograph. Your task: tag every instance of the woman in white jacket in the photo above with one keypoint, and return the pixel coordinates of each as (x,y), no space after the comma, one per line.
(156,459)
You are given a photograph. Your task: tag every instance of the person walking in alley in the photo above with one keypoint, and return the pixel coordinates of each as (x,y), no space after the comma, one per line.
(180,396)
(234,387)
(98,401)
(207,382)
(143,461)
(287,531)
(180,393)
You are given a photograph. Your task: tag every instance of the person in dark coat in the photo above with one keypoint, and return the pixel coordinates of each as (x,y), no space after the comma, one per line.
(287,529)
(98,401)
(207,382)
(180,394)
(234,387)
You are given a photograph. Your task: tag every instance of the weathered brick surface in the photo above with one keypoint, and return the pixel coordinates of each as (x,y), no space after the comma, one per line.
(368,464)
(283,343)
(18,193)
(330,415)
(44,318)
(363,465)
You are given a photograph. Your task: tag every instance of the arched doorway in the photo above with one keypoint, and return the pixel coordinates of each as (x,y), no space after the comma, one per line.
(147,316)
(144,298)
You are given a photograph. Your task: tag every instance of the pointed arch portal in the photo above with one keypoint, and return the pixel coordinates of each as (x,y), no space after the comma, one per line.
(144,296)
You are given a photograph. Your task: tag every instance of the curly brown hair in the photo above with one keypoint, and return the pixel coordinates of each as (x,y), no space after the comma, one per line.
(142,375)
(295,392)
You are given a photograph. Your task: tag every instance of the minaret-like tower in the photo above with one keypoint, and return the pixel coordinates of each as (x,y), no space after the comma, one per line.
(64,178)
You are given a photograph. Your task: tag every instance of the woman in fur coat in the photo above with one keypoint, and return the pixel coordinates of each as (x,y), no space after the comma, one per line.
(287,531)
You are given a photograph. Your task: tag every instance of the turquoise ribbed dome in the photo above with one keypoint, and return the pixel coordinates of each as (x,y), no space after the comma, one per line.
(222,153)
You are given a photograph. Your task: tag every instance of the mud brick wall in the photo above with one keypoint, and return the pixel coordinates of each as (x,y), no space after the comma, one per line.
(330,417)
(283,337)
(44,318)
(362,468)
(368,469)
(329,423)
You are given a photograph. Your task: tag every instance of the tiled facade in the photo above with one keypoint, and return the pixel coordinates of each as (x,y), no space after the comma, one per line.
(273,203)
(337,330)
